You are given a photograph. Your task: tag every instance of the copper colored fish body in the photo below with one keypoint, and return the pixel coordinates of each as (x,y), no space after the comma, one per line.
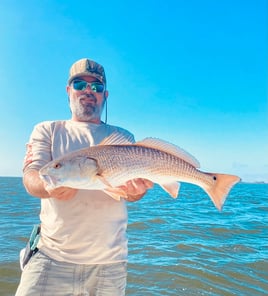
(115,161)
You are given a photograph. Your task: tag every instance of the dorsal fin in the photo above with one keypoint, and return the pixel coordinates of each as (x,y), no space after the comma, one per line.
(116,139)
(169,148)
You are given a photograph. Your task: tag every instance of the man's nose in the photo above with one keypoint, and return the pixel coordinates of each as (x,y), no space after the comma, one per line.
(88,89)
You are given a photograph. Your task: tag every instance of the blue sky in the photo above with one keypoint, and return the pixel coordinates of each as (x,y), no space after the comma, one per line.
(191,72)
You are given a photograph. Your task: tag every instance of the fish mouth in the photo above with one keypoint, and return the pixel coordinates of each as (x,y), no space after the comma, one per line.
(52,181)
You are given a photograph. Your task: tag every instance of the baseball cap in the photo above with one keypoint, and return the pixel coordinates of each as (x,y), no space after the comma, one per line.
(87,67)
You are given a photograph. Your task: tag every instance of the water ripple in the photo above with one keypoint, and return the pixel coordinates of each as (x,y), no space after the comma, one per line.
(178,246)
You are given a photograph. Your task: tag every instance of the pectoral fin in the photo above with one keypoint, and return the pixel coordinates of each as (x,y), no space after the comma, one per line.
(171,188)
(115,192)
(103,180)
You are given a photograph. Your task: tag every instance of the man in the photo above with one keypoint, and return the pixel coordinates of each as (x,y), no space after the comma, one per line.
(83,246)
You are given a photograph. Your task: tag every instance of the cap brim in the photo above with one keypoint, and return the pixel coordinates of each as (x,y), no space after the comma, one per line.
(100,78)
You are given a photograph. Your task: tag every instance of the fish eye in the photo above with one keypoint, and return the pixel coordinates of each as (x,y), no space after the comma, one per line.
(57,165)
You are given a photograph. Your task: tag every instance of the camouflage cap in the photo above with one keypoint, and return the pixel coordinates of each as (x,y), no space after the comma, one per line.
(86,67)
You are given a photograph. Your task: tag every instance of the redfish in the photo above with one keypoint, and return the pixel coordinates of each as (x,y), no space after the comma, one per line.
(115,161)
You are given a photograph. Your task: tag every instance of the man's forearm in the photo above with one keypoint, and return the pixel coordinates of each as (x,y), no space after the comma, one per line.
(33,184)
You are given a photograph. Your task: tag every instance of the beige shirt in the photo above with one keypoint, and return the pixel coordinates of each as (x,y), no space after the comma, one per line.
(91,227)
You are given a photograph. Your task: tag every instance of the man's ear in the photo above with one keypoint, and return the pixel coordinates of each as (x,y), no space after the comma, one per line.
(106,94)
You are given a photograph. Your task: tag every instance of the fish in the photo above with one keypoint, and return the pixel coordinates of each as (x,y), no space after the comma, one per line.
(115,161)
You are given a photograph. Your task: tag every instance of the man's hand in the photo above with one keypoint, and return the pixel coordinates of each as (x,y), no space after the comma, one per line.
(37,187)
(136,189)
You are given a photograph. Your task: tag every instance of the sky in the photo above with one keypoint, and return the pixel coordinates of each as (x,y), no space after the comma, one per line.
(191,72)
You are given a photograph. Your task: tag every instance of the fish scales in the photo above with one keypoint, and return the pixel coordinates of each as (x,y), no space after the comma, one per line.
(126,162)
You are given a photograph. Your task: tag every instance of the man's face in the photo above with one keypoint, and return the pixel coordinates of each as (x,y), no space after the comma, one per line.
(87,104)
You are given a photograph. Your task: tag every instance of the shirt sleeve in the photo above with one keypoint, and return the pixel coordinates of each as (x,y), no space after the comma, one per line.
(38,149)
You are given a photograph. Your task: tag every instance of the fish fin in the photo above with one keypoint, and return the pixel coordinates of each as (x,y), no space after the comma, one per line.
(116,139)
(103,180)
(169,148)
(222,186)
(115,193)
(171,188)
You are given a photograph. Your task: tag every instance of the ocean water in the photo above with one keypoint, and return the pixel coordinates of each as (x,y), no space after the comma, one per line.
(176,247)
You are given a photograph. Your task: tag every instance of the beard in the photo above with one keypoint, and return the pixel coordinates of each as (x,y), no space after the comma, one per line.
(85,108)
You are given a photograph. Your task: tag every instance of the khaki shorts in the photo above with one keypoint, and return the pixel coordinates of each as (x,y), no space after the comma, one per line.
(44,276)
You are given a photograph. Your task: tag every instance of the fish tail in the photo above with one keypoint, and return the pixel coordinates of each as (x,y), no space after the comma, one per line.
(220,189)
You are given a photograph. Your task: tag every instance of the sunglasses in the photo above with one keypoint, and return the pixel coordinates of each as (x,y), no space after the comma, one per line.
(82,85)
